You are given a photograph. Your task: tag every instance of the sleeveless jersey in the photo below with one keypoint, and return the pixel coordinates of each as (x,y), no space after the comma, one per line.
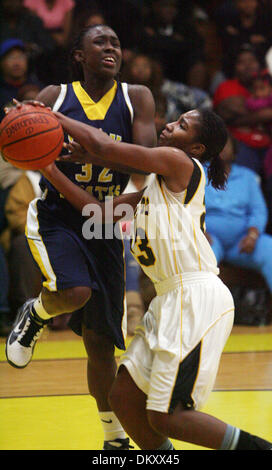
(168,234)
(113,113)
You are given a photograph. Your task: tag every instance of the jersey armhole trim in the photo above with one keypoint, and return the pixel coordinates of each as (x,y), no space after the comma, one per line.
(127,99)
(60,98)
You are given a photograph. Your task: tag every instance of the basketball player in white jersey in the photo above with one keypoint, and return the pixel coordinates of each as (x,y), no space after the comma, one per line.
(169,369)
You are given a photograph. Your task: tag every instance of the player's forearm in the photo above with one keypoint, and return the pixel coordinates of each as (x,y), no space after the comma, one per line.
(96,142)
(76,196)
(128,170)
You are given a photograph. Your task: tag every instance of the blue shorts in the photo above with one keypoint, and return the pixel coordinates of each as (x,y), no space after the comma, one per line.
(66,259)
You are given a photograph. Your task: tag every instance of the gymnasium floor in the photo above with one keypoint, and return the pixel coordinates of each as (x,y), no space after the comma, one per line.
(47,407)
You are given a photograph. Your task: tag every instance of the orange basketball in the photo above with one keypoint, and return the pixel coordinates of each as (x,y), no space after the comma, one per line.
(31,137)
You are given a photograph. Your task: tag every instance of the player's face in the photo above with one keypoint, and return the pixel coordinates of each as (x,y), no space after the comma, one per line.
(181,133)
(102,52)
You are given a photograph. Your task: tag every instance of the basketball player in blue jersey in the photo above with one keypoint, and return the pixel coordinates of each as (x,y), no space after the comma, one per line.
(86,276)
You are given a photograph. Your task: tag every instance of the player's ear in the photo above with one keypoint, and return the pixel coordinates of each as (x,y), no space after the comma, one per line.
(197,149)
(79,55)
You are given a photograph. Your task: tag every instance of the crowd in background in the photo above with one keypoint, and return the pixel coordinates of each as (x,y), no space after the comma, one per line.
(215,54)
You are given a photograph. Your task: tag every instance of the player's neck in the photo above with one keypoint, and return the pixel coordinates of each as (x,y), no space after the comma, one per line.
(96,88)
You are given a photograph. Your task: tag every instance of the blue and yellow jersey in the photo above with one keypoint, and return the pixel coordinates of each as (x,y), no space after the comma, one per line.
(113,113)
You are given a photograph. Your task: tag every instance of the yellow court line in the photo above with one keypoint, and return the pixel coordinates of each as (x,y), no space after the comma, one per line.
(58,350)
(75,349)
(249,343)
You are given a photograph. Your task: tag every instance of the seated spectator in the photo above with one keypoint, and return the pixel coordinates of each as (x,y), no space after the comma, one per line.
(246,127)
(261,98)
(175,43)
(57,17)
(180,98)
(15,73)
(236,220)
(247,22)
(261,91)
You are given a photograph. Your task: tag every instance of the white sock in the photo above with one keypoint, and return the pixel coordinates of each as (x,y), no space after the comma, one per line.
(111,426)
(231,438)
(39,309)
(167,445)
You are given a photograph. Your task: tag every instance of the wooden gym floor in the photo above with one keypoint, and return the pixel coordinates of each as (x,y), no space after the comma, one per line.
(46,406)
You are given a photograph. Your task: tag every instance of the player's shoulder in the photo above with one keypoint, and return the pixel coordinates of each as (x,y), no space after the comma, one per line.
(49,95)
(141,98)
(138,91)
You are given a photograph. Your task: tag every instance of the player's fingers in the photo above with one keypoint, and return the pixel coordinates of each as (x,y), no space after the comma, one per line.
(39,103)
(69,147)
(17,103)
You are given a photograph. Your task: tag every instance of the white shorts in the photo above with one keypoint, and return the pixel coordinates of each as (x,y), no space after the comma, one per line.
(175,353)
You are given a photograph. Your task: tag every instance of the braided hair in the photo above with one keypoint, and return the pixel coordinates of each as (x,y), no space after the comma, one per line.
(213,134)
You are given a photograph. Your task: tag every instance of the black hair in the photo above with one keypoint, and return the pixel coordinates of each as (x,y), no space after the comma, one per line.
(213,133)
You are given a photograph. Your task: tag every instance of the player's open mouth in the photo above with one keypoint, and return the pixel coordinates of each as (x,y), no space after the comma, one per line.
(109,60)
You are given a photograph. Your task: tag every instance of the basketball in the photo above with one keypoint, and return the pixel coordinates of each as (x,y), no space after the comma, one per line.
(31,137)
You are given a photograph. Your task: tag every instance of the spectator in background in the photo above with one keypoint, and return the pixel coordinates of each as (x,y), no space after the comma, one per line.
(248,128)
(175,43)
(14,72)
(261,99)
(261,91)
(18,22)
(245,22)
(180,97)
(56,16)
(236,219)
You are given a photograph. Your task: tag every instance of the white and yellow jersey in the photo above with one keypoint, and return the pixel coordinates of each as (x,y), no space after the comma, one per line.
(168,235)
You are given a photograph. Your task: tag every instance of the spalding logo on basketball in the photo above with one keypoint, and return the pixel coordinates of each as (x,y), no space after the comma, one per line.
(31,137)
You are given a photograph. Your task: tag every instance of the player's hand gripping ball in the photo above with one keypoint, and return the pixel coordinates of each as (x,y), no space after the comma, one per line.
(31,137)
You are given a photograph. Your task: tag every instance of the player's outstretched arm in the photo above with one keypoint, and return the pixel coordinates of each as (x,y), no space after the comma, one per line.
(173,164)
(79,198)
(79,155)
